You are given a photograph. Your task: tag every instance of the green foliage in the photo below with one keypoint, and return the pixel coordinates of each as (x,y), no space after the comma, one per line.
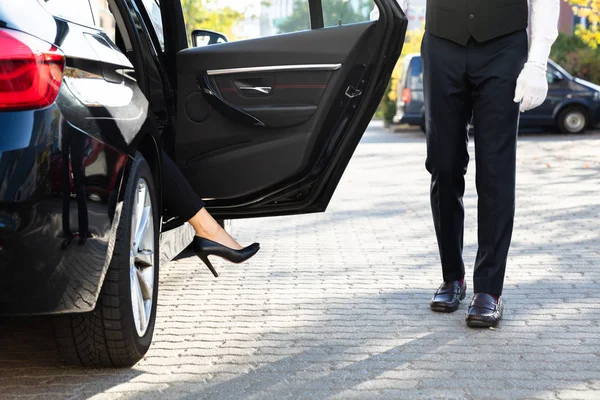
(333,12)
(564,45)
(574,55)
(207,14)
(584,64)
(387,107)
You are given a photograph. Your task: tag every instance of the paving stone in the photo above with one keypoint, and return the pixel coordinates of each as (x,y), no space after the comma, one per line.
(335,305)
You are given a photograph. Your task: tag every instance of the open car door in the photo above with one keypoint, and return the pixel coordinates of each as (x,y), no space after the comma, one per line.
(267,126)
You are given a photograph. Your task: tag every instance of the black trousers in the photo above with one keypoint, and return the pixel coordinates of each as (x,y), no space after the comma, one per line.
(476,80)
(179,197)
(73,147)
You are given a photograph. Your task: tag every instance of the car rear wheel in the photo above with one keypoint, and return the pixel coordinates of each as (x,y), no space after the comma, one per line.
(572,120)
(119,331)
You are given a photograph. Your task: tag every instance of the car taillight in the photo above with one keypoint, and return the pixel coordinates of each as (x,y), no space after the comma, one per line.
(31,71)
(406,95)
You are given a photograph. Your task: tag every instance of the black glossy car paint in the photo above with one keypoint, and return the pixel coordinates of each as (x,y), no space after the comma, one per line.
(61,170)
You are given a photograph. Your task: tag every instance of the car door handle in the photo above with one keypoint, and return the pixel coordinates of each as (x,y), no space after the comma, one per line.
(259,89)
(230,111)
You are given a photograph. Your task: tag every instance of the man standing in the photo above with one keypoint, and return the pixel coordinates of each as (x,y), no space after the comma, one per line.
(477,63)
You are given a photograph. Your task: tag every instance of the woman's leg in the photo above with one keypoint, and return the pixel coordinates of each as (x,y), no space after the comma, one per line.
(206,226)
(181,199)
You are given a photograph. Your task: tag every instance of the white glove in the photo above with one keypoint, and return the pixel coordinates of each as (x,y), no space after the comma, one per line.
(532,86)
(375,12)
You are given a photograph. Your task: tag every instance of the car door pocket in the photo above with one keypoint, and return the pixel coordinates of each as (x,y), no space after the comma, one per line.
(282,116)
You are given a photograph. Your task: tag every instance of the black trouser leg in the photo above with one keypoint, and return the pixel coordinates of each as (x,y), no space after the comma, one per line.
(77,148)
(493,71)
(447,113)
(72,149)
(66,185)
(178,195)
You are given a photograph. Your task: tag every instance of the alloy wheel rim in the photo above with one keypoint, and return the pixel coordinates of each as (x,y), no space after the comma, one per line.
(575,121)
(141,272)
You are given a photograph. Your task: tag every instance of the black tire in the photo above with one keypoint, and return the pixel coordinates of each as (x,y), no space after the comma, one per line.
(573,119)
(107,336)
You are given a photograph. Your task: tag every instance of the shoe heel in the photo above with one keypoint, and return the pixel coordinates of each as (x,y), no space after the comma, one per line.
(204,258)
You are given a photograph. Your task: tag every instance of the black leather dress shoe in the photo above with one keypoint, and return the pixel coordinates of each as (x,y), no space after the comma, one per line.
(484,311)
(448,296)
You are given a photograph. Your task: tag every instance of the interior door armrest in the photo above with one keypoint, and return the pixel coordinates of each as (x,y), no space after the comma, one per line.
(230,111)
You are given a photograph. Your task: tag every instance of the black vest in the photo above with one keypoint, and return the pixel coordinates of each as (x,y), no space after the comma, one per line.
(459,20)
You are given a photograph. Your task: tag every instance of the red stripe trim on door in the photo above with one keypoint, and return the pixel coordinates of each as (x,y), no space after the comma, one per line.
(300,86)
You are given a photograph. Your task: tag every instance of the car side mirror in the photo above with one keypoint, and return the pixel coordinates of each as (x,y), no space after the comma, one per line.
(202,37)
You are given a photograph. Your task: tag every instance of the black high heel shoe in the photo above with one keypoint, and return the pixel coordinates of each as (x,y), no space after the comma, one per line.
(205,247)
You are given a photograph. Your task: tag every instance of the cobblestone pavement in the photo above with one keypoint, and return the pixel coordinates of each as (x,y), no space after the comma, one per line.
(336,305)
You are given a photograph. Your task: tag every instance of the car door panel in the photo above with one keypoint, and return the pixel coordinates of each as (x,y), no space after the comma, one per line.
(229,143)
(280,99)
(262,118)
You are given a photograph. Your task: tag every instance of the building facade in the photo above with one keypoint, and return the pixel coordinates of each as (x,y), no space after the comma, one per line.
(567,21)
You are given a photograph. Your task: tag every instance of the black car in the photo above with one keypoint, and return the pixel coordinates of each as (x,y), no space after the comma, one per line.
(260,127)
(572,104)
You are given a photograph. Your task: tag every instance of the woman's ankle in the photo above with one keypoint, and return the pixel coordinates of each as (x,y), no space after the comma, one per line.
(205,225)
(208,232)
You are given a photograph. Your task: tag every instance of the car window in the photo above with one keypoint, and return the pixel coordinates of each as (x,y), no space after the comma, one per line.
(104,18)
(343,12)
(77,11)
(249,19)
(285,17)
(549,76)
(553,75)
(415,74)
(245,19)
(560,69)
(153,9)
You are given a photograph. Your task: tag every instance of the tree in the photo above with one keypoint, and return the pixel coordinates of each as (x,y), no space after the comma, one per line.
(334,11)
(589,9)
(207,14)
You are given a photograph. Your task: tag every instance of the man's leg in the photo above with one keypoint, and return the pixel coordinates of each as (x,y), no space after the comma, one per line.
(447,113)
(448,109)
(493,70)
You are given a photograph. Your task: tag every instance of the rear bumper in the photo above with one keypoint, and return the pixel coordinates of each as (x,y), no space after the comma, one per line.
(56,183)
